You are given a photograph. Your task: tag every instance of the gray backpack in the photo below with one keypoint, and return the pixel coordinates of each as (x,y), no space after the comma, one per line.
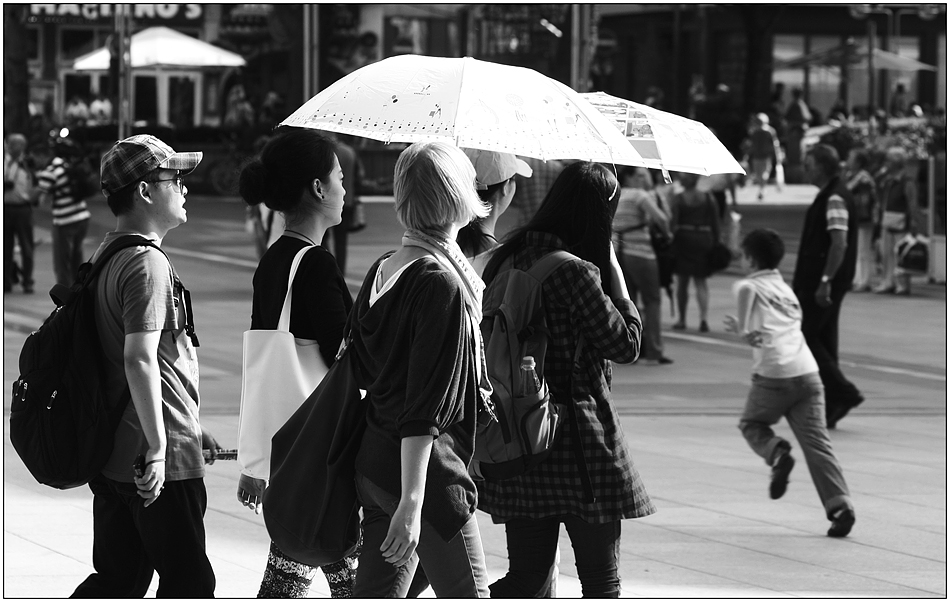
(513,326)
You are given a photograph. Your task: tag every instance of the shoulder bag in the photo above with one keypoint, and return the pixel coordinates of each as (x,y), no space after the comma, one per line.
(279,372)
(311,510)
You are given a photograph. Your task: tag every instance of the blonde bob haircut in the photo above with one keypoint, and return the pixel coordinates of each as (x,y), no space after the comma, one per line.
(434,185)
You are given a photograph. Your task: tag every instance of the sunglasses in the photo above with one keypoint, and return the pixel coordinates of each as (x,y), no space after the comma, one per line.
(179,181)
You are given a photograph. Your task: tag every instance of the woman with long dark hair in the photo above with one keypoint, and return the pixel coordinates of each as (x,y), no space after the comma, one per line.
(588,482)
(298,175)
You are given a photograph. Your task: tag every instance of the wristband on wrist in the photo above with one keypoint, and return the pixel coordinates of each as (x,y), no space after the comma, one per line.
(155,461)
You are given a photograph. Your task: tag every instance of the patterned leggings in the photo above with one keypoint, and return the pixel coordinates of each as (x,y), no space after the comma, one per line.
(287,578)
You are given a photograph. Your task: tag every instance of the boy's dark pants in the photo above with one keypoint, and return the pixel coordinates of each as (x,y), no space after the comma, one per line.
(131,542)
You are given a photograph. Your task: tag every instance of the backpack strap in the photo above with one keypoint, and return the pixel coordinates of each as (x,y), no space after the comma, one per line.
(89,271)
(541,270)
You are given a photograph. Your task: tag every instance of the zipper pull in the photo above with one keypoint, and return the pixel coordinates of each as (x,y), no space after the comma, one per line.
(51,398)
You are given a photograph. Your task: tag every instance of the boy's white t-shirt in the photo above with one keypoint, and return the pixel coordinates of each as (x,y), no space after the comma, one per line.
(776,313)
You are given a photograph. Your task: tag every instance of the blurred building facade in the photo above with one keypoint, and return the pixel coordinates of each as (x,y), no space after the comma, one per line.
(717,63)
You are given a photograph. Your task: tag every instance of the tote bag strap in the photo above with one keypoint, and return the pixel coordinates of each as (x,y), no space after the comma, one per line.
(284,322)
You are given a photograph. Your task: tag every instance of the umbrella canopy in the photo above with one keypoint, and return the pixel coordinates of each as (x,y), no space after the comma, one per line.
(856,56)
(474,104)
(163,47)
(664,140)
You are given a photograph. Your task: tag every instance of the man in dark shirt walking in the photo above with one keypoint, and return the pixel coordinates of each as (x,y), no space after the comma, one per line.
(823,274)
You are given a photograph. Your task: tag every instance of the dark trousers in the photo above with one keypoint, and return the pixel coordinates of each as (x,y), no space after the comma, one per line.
(532,544)
(67,250)
(18,227)
(820,327)
(455,568)
(131,542)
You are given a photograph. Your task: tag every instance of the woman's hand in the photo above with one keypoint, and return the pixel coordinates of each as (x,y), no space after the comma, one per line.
(618,282)
(250,492)
(403,535)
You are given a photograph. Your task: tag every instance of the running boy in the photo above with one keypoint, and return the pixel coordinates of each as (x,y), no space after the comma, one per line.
(785,380)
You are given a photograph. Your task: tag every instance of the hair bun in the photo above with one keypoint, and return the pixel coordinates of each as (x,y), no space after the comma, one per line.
(253,185)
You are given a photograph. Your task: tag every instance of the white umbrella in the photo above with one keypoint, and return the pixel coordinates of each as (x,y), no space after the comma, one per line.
(472,103)
(163,47)
(666,141)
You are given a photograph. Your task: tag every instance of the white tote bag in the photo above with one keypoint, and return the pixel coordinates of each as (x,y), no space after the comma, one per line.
(279,373)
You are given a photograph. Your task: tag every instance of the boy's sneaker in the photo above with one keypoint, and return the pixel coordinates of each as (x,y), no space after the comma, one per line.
(841,523)
(780,471)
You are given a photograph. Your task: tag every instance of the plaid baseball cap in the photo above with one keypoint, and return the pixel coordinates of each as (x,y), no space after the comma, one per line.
(492,167)
(130,160)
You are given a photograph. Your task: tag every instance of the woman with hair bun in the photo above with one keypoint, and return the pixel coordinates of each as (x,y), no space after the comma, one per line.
(298,174)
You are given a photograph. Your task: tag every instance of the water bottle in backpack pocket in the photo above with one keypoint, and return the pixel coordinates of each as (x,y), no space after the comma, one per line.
(516,336)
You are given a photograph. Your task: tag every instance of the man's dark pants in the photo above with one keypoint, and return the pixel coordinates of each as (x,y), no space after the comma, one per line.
(131,542)
(18,227)
(820,327)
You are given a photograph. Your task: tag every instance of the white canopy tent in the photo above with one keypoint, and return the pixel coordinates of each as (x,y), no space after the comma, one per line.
(163,47)
(171,66)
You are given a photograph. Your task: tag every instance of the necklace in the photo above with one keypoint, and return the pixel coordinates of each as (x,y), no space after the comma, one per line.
(304,236)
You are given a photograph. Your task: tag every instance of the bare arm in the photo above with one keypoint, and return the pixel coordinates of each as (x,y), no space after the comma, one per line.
(839,244)
(657,215)
(406,522)
(141,370)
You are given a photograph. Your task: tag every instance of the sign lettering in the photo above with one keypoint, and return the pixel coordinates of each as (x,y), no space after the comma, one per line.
(147,14)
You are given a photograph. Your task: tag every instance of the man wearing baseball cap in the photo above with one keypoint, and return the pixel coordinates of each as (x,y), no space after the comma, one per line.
(149,501)
(495,182)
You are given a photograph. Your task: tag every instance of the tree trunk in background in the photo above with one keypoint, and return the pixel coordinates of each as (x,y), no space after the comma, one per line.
(16,111)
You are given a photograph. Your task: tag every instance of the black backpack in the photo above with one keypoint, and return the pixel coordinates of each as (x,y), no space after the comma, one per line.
(61,423)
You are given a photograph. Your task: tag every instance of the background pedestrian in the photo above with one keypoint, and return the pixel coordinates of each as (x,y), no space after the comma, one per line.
(695,225)
(19,197)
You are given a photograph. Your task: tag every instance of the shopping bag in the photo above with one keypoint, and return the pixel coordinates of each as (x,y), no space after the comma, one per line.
(310,508)
(279,372)
(913,254)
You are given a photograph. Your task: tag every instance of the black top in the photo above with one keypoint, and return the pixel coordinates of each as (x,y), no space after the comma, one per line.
(418,361)
(816,242)
(320,302)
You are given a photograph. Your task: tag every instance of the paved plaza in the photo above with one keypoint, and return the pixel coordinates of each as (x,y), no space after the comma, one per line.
(716,534)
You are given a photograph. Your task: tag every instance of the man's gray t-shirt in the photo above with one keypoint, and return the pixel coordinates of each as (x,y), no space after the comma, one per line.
(139,291)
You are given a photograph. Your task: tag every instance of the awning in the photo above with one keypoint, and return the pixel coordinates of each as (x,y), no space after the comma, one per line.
(163,47)
(855,56)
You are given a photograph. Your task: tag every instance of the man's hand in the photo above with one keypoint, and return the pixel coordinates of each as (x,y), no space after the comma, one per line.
(152,481)
(823,294)
(208,443)
(250,492)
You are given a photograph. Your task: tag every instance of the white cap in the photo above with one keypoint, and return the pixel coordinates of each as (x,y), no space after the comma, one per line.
(492,167)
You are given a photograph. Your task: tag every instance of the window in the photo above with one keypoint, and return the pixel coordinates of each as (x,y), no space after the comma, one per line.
(787,48)
(33,43)
(146,99)
(908,47)
(824,83)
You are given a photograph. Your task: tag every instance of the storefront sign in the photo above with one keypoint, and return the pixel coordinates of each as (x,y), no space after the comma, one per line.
(153,14)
